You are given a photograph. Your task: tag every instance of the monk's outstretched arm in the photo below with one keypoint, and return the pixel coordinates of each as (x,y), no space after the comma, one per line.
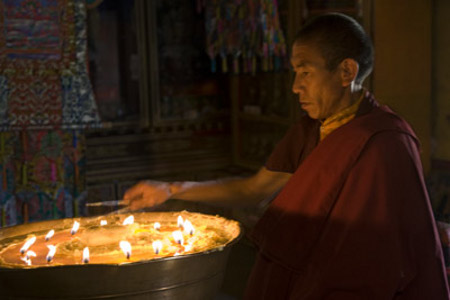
(237,191)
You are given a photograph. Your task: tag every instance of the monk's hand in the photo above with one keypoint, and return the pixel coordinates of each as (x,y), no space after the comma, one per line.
(147,194)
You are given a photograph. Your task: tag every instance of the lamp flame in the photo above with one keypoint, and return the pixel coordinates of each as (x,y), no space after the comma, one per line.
(157,246)
(27,244)
(180,221)
(126,248)
(51,252)
(178,237)
(157,226)
(27,260)
(188,228)
(85,255)
(49,235)
(30,253)
(188,248)
(75,227)
(103,222)
(129,220)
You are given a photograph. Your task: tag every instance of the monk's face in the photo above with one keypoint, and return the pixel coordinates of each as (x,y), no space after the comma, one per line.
(320,90)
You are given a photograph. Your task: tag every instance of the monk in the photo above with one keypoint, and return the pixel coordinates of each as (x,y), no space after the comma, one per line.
(352,219)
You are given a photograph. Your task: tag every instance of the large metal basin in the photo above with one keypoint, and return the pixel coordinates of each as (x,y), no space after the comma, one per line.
(194,276)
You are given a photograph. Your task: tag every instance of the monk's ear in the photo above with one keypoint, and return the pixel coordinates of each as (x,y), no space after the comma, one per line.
(349,70)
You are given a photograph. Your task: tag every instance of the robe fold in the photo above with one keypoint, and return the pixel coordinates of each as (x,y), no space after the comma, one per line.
(353,222)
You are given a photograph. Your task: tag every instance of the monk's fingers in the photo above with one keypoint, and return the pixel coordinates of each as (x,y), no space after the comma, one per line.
(132,194)
(134,205)
(141,202)
(146,194)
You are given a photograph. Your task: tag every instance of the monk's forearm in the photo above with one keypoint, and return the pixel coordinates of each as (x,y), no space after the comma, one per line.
(248,191)
(236,192)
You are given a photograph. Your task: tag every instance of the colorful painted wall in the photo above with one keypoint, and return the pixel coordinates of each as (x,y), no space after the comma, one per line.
(46,101)
(42,175)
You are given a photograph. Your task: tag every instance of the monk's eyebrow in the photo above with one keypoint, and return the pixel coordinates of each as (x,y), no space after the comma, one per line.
(299,64)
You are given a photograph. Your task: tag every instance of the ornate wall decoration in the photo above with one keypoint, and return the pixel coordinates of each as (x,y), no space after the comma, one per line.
(46,101)
(43,66)
(41,174)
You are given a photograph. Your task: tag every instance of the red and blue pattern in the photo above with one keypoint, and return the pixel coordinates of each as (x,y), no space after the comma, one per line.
(44,82)
(42,170)
(46,99)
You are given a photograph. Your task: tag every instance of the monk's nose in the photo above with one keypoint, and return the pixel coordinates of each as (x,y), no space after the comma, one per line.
(296,85)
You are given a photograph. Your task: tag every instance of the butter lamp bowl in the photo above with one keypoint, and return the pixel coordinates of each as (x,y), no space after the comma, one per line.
(194,271)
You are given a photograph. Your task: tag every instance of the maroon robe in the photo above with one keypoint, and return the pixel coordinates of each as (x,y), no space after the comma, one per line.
(353,222)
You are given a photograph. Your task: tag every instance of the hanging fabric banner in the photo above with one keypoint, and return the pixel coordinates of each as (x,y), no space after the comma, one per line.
(42,170)
(44,82)
(245,35)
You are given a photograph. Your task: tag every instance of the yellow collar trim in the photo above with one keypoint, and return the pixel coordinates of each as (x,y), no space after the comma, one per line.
(337,120)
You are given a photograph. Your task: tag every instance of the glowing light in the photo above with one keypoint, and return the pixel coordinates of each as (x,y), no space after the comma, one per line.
(128,221)
(178,237)
(103,222)
(75,227)
(49,235)
(27,244)
(26,260)
(51,252)
(188,248)
(157,246)
(29,254)
(126,248)
(188,228)
(27,257)
(86,255)
(180,221)
(157,226)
